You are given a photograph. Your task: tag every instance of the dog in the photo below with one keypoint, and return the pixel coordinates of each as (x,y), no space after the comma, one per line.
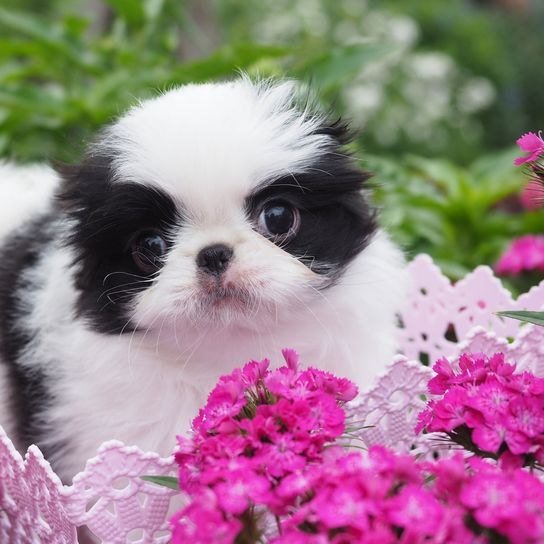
(208,226)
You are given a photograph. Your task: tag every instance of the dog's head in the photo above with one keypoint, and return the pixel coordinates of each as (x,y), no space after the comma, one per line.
(217,203)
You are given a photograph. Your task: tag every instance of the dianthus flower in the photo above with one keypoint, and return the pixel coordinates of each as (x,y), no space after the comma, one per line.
(487,407)
(533,145)
(253,440)
(264,462)
(523,254)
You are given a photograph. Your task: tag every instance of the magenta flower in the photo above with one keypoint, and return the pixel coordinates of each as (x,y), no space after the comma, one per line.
(492,497)
(444,379)
(487,407)
(490,436)
(450,412)
(241,489)
(416,510)
(523,254)
(533,145)
(202,522)
(265,448)
(526,416)
(491,399)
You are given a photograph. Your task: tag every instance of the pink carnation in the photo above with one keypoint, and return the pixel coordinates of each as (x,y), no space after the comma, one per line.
(487,407)
(531,144)
(523,254)
(264,449)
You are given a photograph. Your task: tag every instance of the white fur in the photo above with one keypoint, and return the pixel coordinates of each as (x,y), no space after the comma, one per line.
(208,146)
(25,192)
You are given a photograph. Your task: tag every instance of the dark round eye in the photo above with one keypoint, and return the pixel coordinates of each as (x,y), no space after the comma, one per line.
(148,250)
(278,219)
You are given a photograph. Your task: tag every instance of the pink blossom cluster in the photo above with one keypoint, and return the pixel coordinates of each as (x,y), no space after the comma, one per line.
(524,254)
(488,408)
(265,463)
(386,498)
(258,428)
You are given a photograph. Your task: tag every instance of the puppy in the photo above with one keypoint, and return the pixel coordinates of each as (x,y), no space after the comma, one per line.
(209,226)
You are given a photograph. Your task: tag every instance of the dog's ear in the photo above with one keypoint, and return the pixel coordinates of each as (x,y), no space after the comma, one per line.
(82,194)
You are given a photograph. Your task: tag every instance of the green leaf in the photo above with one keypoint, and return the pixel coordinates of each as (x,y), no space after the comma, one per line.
(131,10)
(536,318)
(46,35)
(30,26)
(225,62)
(165,481)
(337,64)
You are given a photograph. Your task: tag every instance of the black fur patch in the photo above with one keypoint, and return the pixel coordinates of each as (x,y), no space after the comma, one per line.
(107,216)
(29,392)
(336,220)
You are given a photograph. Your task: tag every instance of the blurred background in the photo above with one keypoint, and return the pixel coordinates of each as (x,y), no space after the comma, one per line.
(439,91)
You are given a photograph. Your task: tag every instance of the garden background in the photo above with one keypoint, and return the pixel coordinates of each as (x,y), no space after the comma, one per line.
(439,91)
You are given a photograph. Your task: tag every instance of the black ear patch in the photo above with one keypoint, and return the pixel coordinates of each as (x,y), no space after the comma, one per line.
(336,221)
(106,215)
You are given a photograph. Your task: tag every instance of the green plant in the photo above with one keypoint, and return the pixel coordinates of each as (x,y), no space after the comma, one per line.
(462,217)
(60,79)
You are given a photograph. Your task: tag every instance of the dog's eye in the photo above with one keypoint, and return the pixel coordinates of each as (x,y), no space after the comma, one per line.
(148,249)
(278,220)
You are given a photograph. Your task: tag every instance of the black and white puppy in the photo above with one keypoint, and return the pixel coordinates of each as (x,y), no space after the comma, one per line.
(211,225)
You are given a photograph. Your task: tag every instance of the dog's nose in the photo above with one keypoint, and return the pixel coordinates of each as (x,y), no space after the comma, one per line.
(214,259)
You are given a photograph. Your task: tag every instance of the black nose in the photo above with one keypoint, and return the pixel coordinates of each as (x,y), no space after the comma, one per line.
(214,259)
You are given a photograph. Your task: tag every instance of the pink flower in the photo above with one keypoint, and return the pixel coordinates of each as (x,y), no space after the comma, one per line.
(224,402)
(201,522)
(490,436)
(296,483)
(444,379)
(491,398)
(254,371)
(451,475)
(492,497)
(393,465)
(523,254)
(240,489)
(341,388)
(343,505)
(533,145)
(284,455)
(291,358)
(526,416)
(265,444)
(450,412)
(416,510)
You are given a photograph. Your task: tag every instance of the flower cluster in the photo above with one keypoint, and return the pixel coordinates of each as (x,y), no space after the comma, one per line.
(267,462)
(388,498)
(258,431)
(488,408)
(524,254)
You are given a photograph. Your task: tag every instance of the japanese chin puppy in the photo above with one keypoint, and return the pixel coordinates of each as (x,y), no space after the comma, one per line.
(209,226)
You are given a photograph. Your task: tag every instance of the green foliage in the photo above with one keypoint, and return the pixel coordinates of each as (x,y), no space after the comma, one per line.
(165,481)
(462,216)
(527,317)
(60,82)
(462,82)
